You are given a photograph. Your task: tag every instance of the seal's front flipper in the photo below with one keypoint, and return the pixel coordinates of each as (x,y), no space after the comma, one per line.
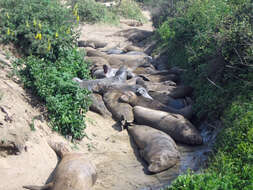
(45,187)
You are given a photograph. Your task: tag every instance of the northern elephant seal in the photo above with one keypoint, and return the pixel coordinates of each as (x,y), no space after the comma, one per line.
(164,98)
(98,84)
(175,125)
(172,91)
(160,77)
(74,171)
(98,105)
(91,43)
(121,112)
(132,48)
(134,100)
(156,147)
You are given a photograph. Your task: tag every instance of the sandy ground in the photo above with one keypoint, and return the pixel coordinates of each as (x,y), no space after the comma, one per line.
(112,151)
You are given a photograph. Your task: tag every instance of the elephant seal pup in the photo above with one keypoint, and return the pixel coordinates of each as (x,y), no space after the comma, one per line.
(74,171)
(98,105)
(175,125)
(134,100)
(156,147)
(121,112)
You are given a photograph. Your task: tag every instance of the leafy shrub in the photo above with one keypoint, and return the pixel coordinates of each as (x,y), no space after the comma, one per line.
(231,168)
(45,33)
(38,27)
(213,41)
(130,9)
(92,12)
(52,82)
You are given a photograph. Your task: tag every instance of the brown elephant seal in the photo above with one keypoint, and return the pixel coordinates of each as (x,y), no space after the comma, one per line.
(157,86)
(132,48)
(172,91)
(74,172)
(164,98)
(121,112)
(134,100)
(156,147)
(175,125)
(90,52)
(91,43)
(160,77)
(98,105)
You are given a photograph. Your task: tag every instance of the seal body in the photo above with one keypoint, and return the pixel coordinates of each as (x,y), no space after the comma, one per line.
(175,125)
(156,147)
(120,111)
(74,172)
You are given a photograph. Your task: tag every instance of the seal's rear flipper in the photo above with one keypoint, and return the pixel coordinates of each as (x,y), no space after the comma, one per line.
(45,187)
(60,148)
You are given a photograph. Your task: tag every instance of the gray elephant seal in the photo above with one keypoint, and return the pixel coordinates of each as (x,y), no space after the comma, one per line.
(175,125)
(156,147)
(74,172)
(97,84)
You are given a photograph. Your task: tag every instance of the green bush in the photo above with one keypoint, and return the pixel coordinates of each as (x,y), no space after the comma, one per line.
(37,27)
(44,32)
(52,82)
(130,9)
(213,41)
(92,12)
(232,166)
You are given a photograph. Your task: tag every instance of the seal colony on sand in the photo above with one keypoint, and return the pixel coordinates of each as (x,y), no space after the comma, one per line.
(134,91)
(74,171)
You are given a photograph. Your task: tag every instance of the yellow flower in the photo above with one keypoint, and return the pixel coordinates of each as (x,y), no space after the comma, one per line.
(8,32)
(13,33)
(38,36)
(75,12)
(49,45)
(27,24)
(77,18)
(39,25)
(68,31)
(56,35)
(34,22)
(7,14)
